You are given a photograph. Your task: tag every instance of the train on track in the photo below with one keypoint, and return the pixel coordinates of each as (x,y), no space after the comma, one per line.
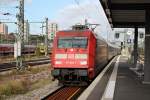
(78,55)
(8,49)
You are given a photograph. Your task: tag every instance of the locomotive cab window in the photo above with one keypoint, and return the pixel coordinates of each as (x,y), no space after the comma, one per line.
(73,42)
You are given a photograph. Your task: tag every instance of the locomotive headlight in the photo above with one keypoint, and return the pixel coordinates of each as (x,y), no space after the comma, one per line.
(58,62)
(83,62)
(81,56)
(61,56)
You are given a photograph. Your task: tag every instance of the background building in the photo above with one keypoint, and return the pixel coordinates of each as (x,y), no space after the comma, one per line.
(127,37)
(3,29)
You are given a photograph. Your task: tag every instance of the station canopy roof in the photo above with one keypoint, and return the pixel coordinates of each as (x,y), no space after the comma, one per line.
(126,13)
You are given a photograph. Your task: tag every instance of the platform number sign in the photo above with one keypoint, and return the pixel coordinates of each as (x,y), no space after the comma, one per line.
(117,35)
(129,41)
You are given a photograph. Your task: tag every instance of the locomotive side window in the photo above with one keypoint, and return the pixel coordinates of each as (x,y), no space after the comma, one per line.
(73,42)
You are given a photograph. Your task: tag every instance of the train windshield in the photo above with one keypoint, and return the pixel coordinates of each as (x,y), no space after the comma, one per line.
(73,42)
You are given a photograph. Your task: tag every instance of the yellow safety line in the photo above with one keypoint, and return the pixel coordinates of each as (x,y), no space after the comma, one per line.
(73,94)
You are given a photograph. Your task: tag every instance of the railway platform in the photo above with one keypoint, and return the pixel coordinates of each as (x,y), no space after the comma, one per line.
(117,82)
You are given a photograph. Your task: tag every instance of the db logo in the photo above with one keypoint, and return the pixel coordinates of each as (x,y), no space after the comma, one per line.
(71,56)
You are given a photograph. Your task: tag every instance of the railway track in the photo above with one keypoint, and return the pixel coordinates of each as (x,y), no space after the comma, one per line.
(12,65)
(65,93)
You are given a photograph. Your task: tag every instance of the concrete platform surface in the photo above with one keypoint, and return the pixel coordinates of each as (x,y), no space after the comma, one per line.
(128,85)
(117,82)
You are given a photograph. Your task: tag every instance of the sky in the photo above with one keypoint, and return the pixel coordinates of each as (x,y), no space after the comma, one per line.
(64,12)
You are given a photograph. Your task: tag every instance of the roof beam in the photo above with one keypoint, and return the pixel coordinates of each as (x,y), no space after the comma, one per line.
(128,24)
(120,6)
(114,5)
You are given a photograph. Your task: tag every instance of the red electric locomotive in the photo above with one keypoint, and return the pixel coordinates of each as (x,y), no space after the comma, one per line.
(78,56)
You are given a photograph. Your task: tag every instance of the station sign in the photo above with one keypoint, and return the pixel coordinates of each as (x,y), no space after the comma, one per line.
(17,49)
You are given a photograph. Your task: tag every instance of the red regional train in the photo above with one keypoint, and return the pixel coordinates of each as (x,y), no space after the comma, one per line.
(78,56)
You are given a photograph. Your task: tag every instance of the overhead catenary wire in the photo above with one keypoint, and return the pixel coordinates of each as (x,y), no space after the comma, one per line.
(77,2)
(85,11)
